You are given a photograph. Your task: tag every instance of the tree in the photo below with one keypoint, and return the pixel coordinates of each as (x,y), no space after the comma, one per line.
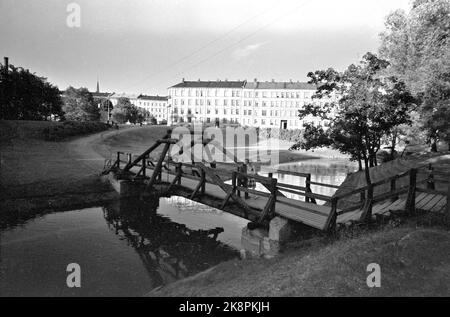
(79,105)
(367,108)
(125,111)
(417,44)
(26,96)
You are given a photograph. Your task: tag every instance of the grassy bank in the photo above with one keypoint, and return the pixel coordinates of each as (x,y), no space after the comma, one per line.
(413,262)
(37,175)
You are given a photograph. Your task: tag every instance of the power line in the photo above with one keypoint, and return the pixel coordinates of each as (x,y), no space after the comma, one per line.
(204,46)
(291,11)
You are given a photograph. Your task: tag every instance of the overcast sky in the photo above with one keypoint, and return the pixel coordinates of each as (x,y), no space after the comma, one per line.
(145,46)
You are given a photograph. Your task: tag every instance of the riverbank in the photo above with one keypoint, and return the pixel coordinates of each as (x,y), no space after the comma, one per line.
(413,261)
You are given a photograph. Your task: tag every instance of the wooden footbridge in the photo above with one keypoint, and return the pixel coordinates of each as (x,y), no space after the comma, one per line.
(420,188)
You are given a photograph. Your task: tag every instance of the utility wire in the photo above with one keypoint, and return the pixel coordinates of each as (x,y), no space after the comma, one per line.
(193,53)
(290,11)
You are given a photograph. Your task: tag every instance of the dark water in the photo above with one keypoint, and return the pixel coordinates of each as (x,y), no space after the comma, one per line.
(123,249)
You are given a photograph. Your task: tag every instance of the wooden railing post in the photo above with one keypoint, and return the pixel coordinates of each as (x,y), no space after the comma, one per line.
(410,205)
(430,181)
(129,158)
(203,188)
(331,222)
(447,209)
(367,211)
(118,160)
(308,187)
(273,192)
(394,188)
(245,180)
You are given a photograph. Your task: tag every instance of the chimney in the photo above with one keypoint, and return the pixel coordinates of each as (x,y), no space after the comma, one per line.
(273,80)
(290,80)
(255,80)
(226,79)
(183,80)
(7,64)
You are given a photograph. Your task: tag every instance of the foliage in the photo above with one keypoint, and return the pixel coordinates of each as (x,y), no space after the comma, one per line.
(417,44)
(72,128)
(79,105)
(26,96)
(125,111)
(282,134)
(369,107)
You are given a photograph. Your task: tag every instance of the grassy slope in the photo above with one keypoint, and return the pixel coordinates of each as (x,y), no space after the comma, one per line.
(414,262)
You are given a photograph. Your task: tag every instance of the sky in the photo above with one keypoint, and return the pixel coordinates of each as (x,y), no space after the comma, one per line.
(146,46)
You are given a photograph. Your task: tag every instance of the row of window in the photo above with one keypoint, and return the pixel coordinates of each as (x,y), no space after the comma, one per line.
(237,103)
(253,122)
(246,112)
(237,93)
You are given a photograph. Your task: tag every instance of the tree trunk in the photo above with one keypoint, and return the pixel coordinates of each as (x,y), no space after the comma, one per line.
(367,171)
(433,145)
(393,144)
(360,167)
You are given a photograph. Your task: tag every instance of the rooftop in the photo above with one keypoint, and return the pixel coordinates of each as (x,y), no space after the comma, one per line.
(145,97)
(245,84)
(210,84)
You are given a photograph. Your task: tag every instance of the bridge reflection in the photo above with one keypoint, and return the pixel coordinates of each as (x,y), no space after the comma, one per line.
(169,250)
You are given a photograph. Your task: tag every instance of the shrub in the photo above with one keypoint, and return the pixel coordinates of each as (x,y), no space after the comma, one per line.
(73,128)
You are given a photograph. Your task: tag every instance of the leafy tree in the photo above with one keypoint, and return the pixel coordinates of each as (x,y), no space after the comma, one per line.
(79,105)
(26,96)
(361,108)
(125,111)
(417,44)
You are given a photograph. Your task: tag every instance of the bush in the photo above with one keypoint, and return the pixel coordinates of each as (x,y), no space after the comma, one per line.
(286,135)
(73,128)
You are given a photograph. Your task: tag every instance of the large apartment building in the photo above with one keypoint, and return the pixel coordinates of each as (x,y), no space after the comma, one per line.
(255,104)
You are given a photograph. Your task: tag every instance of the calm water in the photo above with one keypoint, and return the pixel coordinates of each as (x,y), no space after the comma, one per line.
(328,171)
(123,249)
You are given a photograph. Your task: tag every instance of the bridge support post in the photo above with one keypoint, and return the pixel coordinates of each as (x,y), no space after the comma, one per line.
(267,243)
(410,205)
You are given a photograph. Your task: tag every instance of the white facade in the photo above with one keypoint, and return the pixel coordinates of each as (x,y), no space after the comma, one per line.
(157,106)
(256,104)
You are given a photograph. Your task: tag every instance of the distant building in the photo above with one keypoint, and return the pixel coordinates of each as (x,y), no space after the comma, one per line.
(256,104)
(114,98)
(157,106)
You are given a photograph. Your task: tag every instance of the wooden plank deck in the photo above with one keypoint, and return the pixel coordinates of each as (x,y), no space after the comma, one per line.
(307,213)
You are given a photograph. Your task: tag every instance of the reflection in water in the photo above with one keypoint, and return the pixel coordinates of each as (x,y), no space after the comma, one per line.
(169,250)
(325,171)
(129,254)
